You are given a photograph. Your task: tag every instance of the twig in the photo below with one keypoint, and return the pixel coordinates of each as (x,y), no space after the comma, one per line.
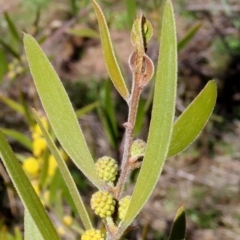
(129,125)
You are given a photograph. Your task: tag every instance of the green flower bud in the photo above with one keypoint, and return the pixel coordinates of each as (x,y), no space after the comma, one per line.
(103,204)
(107,168)
(93,234)
(123,206)
(138,148)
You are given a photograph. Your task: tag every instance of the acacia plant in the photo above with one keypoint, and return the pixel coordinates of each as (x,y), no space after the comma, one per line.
(166,137)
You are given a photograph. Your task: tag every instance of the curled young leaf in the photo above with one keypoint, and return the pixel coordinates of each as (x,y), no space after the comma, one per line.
(147,68)
(136,34)
(140,64)
(147,30)
(142,32)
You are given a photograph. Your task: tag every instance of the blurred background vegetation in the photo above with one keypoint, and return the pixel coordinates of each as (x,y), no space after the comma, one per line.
(205,178)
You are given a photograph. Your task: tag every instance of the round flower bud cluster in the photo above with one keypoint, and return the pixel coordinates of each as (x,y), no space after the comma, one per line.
(123,206)
(138,148)
(103,204)
(93,234)
(107,168)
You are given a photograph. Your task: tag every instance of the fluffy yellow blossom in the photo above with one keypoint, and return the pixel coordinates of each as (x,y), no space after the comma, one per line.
(31,166)
(39,145)
(52,165)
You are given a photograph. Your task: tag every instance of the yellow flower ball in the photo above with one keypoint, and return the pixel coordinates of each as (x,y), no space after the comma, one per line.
(52,165)
(68,220)
(31,166)
(39,145)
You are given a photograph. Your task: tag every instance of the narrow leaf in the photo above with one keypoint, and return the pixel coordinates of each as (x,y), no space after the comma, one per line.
(107,114)
(179,226)
(59,109)
(25,106)
(108,106)
(44,169)
(26,192)
(189,35)
(10,49)
(82,111)
(131,11)
(83,32)
(19,137)
(18,233)
(104,118)
(31,231)
(12,104)
(55,185)
(109,55)
(12,28)
(191,122)
(66,175)
(162,118)
(3,65)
